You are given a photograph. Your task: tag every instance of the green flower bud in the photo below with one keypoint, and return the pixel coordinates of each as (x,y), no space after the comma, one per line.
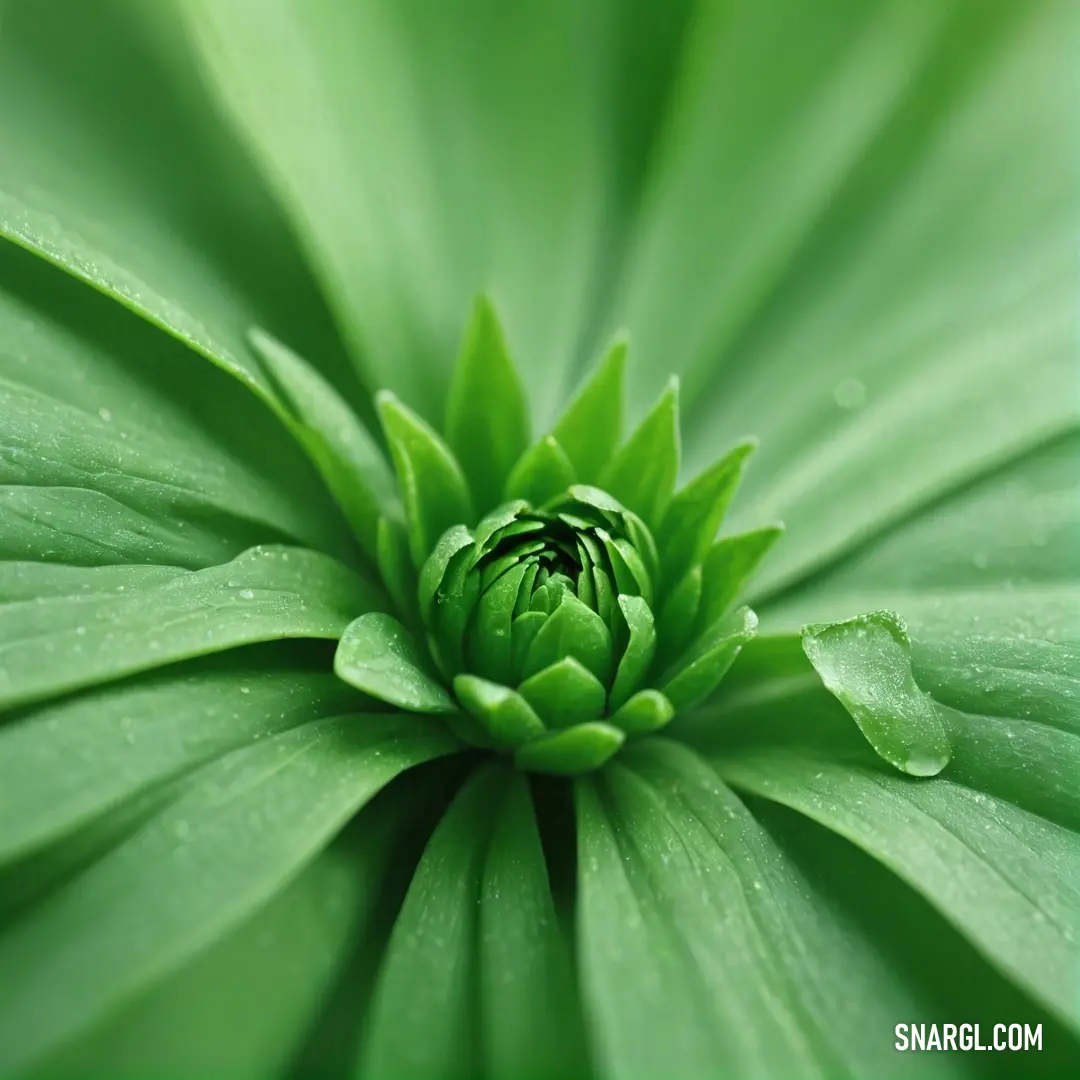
(589,607)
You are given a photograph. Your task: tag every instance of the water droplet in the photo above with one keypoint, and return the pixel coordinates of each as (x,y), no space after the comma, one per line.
(245,689)
(105,414)
(247,594)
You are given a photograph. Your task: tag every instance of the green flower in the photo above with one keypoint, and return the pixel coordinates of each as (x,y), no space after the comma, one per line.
(379,701)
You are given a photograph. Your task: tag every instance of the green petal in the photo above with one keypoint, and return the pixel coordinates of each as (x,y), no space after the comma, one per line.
(591,427)
(572,630)
(565,694)
(1004,878)
(866,663)
(378,655)
(642,473)
(394,560)
(647,711)
(503,713)
(489,647)
(543,472)
(487,418)
(62,628)
(728,566)
(433,487)
(239,830)
(433,572)
(694,676)
(638,656)
(679,617)
(573,750)
(693,517)
(67,763)
(339,445)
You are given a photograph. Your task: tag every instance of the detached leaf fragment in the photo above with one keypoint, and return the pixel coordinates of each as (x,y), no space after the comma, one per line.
(866,663)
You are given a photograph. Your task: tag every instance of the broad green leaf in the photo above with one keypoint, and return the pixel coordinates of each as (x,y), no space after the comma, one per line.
(727,567)
(63,628)
(565,693)
(339,445)
(542,473)
(692,518)
(487,418)
(643,471)
(866,662)
(697,673)
(475,948)
(1006,879)
(638,655)
(572,630)
(242,1008)
(531,1018)
(432,485)
(478,166)
(590,428)
(241,829)
(63,764)
(434,570)
(938,307)
(647,711)
(1019,525)
(706,950)
(503,713)
(378,655)
(573,750)
(124,446)
(113,85)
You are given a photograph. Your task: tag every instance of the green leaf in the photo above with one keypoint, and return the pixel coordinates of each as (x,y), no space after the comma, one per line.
(639,652)
(434,570)
(240,829)
(692,518)
(243,1007)
(1004,878)
(63,628)
(378,655)
(523,630)
(571,751)
(492,182)
(679,617)
(487,418)
(338,444)
(564,694)
(542,473)
(489,647)
(524,956)
(394,560)
(64,764)
(694,676)
(130,221)
(728,566)
(866,663)
(643,471)
(861,203)
(647,711)
(433,487)
(571,630)
(590,428)
(122,445)
(738,961)
(503,713)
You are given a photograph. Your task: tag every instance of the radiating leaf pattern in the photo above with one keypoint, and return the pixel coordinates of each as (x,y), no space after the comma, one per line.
(252,572)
